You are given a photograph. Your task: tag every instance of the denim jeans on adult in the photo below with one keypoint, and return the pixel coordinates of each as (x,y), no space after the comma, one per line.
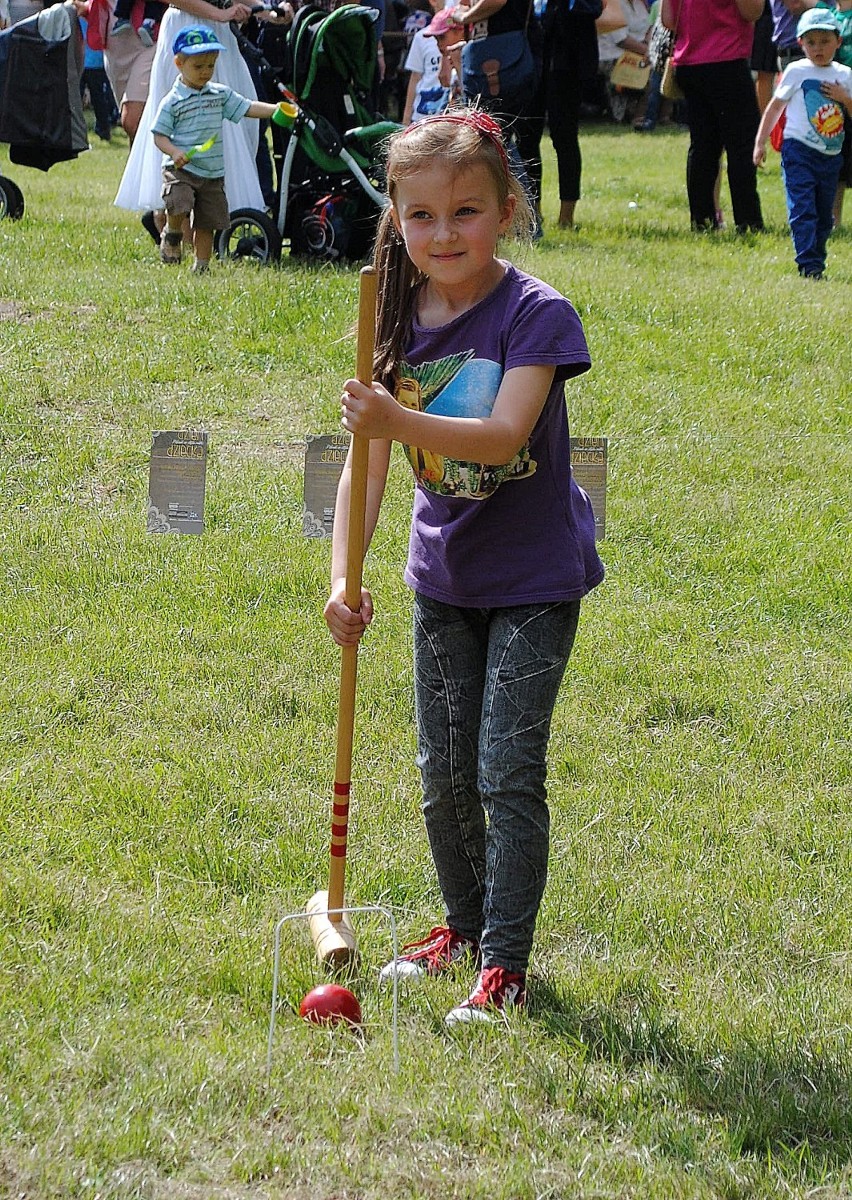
(486,682)
(810,181)
(102,100)
(723,115)
(655,99)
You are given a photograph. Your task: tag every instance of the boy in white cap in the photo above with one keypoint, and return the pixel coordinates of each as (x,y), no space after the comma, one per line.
(812,95)
(188,130)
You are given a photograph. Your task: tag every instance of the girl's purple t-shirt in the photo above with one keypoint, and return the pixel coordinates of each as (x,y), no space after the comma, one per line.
(489,537)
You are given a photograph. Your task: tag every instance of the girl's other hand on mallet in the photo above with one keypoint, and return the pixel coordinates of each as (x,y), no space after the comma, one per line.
(345,626)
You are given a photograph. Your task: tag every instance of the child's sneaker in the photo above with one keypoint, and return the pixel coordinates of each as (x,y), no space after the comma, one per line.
(147,32)
(437,952)
(496,991)
(120,25)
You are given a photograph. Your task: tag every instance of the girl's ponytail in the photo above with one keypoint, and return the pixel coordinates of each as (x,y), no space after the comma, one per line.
(399,283)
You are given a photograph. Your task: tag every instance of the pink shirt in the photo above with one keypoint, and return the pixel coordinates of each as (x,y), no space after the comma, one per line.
(711,31)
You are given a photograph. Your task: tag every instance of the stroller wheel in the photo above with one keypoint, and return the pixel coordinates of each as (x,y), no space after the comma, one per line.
(11,200)
(250,234)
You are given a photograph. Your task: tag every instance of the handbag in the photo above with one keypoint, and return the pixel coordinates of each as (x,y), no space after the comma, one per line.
(661,53)
(631,71)
(669,86)
(660,45)
(500,71)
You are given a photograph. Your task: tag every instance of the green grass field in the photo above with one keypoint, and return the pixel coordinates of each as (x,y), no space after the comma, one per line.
(167,736)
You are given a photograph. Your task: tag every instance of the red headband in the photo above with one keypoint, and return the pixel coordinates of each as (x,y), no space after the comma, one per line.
(482,122)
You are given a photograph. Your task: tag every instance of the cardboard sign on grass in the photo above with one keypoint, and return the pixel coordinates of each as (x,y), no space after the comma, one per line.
(176,482)
(325,455)
(588,466)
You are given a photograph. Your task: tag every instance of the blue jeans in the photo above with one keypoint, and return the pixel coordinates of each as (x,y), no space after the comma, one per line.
(486,682)
(810,180)
(655,99)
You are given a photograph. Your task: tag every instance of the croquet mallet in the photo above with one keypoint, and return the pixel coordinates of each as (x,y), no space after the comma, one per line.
(331,930)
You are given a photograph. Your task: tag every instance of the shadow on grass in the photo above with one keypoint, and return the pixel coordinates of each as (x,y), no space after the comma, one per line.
(780,1101)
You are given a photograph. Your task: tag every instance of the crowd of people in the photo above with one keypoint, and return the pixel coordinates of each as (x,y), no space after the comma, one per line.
(537,65)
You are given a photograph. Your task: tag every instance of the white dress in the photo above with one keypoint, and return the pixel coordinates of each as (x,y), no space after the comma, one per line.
(142,182)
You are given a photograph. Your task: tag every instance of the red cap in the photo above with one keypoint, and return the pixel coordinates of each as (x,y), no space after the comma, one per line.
(441,23)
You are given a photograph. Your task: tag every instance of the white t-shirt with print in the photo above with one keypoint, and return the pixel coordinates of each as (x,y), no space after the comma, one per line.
(424,58)
(811,117)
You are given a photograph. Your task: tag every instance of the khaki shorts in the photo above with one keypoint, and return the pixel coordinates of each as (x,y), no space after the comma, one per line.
(185,193)
(128,66)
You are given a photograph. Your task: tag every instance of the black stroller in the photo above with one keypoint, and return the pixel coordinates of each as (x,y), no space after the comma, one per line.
(41,111)
(330,183)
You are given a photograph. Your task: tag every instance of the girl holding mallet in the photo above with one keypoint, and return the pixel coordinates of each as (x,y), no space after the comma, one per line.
(471,360)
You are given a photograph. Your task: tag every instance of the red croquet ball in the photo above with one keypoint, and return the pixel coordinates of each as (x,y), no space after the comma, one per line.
(329,1004)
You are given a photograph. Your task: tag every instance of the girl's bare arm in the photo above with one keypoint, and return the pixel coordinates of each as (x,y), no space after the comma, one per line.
(496,439)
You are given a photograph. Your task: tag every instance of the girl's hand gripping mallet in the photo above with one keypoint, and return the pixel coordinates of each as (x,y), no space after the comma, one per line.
(331,931)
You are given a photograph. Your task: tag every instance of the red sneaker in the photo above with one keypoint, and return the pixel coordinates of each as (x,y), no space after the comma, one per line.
(496,991)
(437,952)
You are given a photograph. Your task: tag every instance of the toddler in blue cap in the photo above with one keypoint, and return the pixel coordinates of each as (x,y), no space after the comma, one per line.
(812,95)
(188,130)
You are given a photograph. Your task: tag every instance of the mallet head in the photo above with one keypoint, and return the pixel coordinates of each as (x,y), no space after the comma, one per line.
(332,935)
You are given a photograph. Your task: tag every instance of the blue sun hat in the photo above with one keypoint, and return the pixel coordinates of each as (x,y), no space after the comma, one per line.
(196,40)
(817,18)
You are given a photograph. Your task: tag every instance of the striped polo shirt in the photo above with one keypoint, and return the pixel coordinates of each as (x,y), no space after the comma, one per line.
(189,117)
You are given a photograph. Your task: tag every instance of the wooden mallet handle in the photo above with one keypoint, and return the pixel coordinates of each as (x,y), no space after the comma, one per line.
(360,453)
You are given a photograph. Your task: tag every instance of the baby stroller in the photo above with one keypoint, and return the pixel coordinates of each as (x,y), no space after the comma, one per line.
(330,183)
(41,112)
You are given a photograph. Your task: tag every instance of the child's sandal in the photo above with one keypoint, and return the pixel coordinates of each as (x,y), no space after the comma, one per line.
(170,246)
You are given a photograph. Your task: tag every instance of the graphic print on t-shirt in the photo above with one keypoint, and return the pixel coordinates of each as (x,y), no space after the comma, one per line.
(825,116)
(460,385)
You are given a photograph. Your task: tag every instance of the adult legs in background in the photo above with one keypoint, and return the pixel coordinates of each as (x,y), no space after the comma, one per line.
(486,681)
(529,127)
(764,58)
(723,115)
(563,114)
(647,120)
(102,100)
(528,134)
(764,86)
(128,67)
(739,119)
